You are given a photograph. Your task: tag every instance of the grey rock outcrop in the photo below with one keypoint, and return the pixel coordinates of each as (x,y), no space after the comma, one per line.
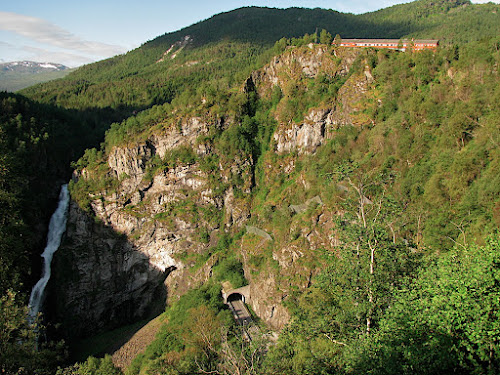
(306,137)
(321,124)
(102,280)
(115,265)
(130,161)
(259,232)
(268,303)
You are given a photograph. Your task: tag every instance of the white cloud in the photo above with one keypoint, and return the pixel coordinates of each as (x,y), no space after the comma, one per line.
(41,31)
(23,49)
(6,44)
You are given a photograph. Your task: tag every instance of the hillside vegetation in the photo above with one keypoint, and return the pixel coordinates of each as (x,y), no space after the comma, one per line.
(408,185)
(138,79)
(375,174)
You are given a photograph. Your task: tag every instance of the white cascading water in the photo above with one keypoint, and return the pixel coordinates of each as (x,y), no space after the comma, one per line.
(57,226)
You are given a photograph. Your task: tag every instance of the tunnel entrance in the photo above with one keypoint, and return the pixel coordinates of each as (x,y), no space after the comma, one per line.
(235,297)
(241,294)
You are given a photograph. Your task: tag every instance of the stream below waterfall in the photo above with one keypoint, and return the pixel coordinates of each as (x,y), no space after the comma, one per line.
(57,227)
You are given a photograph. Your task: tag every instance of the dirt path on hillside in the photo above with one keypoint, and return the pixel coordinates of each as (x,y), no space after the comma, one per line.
(137,343)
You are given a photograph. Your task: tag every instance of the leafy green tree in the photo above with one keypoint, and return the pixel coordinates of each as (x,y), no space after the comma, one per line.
(337,41)
(202,331)
(21,350)
(325,37)
(447,321)
(92,366)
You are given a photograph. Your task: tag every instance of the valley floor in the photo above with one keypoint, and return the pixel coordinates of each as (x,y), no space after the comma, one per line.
(137,344)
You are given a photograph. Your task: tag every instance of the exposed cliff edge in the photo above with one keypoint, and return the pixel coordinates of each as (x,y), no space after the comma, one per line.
(102,280)
(319,123)
(176,191)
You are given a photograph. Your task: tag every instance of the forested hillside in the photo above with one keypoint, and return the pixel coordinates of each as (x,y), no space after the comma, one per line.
(407,180)
(356,192)
(146,76)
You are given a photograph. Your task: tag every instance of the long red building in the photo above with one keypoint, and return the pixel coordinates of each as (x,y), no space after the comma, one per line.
(399,44)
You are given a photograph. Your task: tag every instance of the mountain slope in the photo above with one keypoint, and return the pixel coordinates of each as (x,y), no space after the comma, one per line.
(266,25)
(18,75)
(323,177)
(448,20)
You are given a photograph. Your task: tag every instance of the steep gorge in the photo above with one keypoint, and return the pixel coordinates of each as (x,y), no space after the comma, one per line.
(149,230)
(308,152)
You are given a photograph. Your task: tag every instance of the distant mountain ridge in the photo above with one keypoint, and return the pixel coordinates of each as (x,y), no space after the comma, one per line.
(31,66)
(451,20)
(17,75)
(258,28)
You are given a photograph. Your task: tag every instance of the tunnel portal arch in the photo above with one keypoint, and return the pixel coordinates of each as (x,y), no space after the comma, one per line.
(242,294)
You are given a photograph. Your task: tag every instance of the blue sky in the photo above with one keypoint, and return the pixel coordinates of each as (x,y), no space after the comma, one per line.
(75,33)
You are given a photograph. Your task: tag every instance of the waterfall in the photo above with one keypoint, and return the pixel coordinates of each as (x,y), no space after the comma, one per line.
(57,226)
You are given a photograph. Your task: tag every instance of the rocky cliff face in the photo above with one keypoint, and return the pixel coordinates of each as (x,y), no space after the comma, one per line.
(140,247)
(112,268)
(320,123)
(102,280)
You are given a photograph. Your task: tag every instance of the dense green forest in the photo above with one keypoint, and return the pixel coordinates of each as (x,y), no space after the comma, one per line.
(411,188)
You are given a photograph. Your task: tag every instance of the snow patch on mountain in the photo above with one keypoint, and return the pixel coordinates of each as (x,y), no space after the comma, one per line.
(32,66)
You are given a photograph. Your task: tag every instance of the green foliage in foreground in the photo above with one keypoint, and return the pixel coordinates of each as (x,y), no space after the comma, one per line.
(443,321)
(92,366)
(381,306)
(446,321)
(20,351)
